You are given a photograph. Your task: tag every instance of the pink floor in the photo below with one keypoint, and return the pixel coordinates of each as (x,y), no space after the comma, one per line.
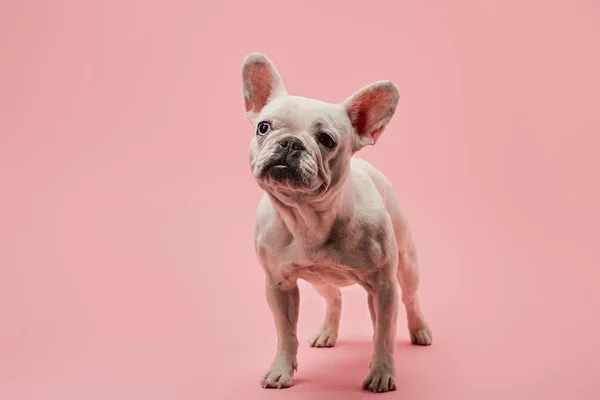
(126,206)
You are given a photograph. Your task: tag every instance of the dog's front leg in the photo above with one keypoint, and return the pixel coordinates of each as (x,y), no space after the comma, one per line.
(284,301)
(384,297)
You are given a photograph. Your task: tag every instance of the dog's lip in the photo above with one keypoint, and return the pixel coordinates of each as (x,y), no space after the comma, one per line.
(277,165)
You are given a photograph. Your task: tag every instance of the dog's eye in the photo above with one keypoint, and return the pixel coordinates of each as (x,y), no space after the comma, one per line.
(263,128)
(326,140)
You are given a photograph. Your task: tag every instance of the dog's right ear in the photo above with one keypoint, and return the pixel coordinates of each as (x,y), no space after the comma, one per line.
(261,83)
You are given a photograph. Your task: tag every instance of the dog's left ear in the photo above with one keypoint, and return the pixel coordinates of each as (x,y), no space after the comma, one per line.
(261,83)
(370,110)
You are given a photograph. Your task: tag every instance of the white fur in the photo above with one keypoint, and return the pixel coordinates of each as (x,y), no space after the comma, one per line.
(337,225)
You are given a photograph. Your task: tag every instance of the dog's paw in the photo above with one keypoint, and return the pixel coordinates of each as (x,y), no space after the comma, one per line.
(421,336)
(380,379)
(325,337)
(279,376)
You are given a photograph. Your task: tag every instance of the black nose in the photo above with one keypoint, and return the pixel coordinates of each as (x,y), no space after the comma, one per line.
(295,144)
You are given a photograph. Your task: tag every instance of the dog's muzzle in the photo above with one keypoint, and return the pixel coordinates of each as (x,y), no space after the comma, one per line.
(284,165)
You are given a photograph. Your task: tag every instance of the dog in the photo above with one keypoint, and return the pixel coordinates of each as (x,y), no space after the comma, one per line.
(327,217)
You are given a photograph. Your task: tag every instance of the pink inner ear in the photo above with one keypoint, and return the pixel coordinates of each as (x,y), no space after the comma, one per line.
(259,81)
(369,112)
(361,119)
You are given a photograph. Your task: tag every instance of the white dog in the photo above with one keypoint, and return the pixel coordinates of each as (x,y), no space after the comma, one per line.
(327,217)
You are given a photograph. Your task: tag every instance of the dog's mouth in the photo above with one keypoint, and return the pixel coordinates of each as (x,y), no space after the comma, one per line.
(276,163)
(292,173)
(283,172)
(277,166)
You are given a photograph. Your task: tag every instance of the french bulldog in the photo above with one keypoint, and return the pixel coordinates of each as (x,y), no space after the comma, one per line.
(327,217)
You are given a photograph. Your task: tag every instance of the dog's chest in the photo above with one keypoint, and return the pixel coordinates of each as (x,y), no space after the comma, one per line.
(322,272)
(335,265)
(348,254)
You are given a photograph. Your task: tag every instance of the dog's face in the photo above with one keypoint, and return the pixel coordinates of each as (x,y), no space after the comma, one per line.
(300,145)
(303,146)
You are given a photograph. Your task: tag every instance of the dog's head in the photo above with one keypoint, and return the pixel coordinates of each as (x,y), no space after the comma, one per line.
(303,146)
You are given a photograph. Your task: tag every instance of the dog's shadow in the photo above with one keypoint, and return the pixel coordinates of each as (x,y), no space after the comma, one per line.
(341,369)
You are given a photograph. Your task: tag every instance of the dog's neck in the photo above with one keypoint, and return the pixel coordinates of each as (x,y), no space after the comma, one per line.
(311,219)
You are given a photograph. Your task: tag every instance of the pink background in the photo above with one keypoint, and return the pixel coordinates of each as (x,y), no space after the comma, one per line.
(127,268)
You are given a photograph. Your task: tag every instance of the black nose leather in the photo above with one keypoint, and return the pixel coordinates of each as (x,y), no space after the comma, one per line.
(294,143)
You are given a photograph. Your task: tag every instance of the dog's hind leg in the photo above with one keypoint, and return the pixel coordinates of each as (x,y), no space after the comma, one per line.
(408,277)
(327,335)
